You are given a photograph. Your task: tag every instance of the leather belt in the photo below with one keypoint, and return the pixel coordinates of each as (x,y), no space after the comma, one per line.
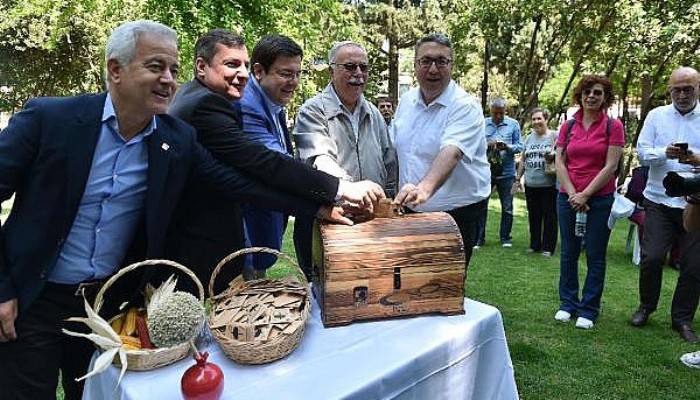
(90,287)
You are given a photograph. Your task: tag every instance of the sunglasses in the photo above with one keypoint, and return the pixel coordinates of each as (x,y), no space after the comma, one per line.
(352,67)
(595,92)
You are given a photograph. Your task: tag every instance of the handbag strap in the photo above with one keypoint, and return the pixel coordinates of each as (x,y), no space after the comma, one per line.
(570,126)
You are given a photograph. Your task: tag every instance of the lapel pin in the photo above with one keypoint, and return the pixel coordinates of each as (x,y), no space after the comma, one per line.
(165,146)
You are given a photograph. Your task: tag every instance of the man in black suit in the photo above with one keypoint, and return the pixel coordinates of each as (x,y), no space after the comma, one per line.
(207,227)
(96,179)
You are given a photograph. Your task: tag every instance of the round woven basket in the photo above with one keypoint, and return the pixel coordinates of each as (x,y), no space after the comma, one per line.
(257,352)
(147,359)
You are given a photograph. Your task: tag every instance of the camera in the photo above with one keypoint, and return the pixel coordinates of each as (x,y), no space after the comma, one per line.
(679,184)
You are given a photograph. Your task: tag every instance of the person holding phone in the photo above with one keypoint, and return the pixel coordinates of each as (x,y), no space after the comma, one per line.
(503,141)
(670,141)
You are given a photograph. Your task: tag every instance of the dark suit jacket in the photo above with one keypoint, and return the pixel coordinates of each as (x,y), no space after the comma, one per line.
(46,153)
(208,228)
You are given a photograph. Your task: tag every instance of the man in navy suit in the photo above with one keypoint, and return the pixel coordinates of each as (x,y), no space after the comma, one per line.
(208,227)
(276,67)
(96,179)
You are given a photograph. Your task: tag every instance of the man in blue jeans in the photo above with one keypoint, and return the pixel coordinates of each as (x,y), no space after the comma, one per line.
(503,140)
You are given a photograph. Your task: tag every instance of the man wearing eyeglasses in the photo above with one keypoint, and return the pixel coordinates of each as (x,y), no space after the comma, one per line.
(438,130)
(338,131)
(670,141)
(207,227)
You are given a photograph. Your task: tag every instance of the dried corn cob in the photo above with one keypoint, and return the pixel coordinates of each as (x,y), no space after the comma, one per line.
(130,341)
(130,322)
(117,324)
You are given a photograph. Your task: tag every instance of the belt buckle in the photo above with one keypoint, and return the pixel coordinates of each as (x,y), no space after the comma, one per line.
(83,286)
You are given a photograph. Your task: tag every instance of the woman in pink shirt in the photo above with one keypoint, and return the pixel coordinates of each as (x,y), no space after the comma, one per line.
(588,150)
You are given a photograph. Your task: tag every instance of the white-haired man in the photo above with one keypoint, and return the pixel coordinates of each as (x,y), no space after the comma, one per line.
(343,134)
(96,178)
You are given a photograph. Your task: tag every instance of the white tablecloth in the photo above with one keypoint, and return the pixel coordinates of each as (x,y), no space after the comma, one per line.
(429,357)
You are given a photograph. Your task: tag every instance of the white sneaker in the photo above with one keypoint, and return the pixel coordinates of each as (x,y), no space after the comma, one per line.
(562,316)
(584,323)
(546,254)
(506,244)
(691,359)
(477,247)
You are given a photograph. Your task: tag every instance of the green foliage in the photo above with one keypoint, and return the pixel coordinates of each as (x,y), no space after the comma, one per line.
(537,48)
(55,47)
(314,25)
(554,87)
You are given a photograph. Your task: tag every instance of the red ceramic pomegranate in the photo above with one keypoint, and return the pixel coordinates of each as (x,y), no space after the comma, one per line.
(202,381)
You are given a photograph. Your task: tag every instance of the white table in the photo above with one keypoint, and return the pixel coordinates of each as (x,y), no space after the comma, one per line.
(429,357)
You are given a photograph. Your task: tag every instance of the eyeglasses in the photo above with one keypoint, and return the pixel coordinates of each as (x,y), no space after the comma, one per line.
(290,75)
(352,67)
(595,92)
(686,90)
(440,62)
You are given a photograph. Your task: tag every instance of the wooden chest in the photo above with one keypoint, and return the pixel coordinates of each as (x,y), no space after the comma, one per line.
(388,267)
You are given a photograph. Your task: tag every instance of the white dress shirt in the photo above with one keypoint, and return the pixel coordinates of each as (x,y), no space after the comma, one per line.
(664,126)
(421,131)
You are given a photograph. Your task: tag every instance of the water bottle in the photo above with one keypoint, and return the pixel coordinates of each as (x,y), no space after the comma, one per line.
(580,227)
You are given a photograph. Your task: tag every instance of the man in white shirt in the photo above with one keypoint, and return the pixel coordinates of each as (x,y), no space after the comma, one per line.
(438,131)
(668,131)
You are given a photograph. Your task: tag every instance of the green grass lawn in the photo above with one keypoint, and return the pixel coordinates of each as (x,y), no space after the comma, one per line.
(556,361)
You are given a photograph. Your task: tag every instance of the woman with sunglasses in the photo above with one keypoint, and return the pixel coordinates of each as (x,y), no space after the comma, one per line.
(540,190)
(588,149)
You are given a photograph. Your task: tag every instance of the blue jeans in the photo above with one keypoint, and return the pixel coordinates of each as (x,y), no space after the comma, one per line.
(596,238)
(503,186)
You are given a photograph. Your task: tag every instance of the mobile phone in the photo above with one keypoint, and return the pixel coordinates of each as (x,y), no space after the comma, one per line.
(683,146)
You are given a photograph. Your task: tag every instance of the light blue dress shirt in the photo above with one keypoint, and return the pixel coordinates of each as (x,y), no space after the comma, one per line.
(508,132)
(111,206)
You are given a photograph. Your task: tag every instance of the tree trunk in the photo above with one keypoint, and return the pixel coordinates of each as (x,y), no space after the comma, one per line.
(393,58)
(525,91)
(627,161)
(485,81)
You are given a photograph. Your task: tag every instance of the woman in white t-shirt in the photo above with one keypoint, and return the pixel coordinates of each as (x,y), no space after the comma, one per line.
(540,189)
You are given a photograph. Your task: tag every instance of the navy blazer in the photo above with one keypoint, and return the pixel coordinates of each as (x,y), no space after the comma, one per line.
(207,228)
(258,123)
(46,154)
(263,227)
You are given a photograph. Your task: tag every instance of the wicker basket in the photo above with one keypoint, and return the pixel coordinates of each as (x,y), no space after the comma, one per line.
(148,359)
(274,348)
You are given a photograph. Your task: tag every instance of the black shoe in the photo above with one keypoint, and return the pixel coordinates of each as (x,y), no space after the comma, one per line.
(686,333)
(640,317)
